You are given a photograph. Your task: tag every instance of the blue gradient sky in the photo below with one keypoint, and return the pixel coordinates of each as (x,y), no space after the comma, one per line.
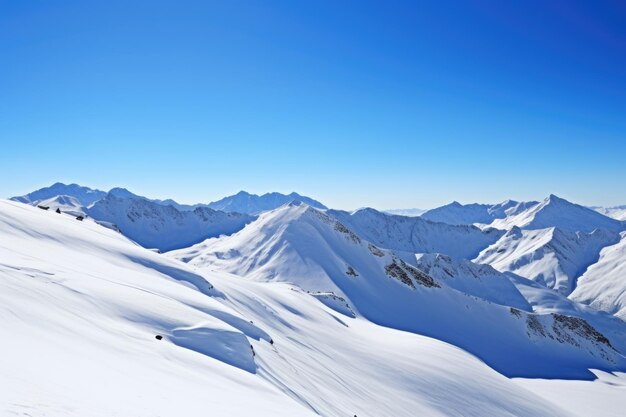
(363,103)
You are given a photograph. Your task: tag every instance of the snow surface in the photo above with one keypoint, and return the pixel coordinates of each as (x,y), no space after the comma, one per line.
(605,396)
(81,306)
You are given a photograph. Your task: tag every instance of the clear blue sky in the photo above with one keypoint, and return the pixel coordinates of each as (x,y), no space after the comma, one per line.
(356,103)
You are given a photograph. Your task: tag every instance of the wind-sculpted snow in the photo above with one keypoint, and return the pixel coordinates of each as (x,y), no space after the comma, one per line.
(552,257)
(470,308)
(231,347)
(81,309)
(416,235)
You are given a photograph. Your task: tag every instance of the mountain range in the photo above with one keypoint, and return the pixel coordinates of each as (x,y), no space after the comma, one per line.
(474,309)
(159,224)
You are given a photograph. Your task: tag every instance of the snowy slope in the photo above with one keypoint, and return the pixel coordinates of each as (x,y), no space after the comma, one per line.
(601,397)
(560,213)
(458,214)
(414,234)
(478,280)
(153,225)
(82,306)
(552,257)
(244,202)
(603,285)
(65,203)
(84,195)
(303,246)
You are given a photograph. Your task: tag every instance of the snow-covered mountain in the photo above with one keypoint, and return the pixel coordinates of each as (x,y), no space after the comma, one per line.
(603,285)
(617,212)
(83,306)
(410,212)
(124,193)
(83,195)
(417,235)
(560,213)
(552,257)
(476,309)
(481,281)
(244,202)
(154,225)
(458,214)
(162,224)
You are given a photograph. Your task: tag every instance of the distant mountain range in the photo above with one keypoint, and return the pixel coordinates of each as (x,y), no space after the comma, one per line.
(332,311)
(410,212)
(244,202)
(457,213)
(161,224)
(552,242)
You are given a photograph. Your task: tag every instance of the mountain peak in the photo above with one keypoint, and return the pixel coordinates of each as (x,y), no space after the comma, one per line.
(554,199)
(84,195)
(122,193)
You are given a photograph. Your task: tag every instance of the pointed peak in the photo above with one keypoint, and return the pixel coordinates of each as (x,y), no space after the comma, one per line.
(556,199)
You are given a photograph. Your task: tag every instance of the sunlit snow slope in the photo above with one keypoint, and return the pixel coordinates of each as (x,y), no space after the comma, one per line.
(478,310)
(603,285)
(80,306)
